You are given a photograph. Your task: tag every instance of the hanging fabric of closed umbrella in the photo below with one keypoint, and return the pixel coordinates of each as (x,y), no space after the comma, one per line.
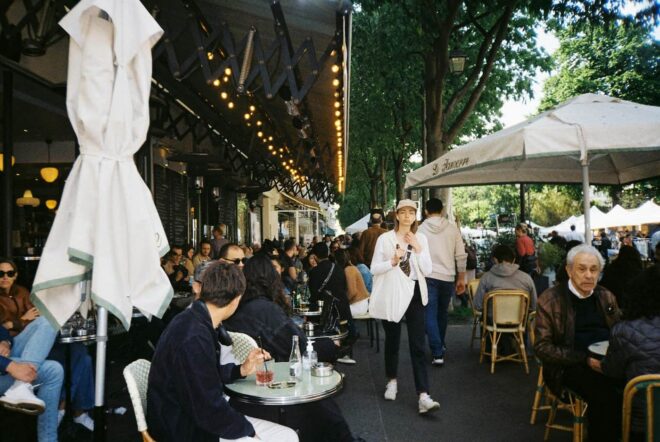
(590,138)
(107,229)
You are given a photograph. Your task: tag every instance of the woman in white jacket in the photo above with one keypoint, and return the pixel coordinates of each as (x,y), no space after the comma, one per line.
(408,251)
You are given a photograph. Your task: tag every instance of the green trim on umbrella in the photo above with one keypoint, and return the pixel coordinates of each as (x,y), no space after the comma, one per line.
(166,303)
(80,257)
(111,309)
(69,280)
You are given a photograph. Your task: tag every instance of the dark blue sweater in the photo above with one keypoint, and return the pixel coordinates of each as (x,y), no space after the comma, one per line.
(186,382)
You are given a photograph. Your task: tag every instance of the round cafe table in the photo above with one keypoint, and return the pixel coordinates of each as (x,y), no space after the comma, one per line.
(599,349)
(307,389)
(316,334)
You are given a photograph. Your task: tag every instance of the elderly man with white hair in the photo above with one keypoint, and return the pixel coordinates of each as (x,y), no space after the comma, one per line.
(570,317)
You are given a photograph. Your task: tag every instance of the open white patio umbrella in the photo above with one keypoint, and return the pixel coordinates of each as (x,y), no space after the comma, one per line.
(107,229)
(589,139)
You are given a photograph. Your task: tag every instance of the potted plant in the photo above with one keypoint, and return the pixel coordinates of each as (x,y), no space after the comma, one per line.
(550,257)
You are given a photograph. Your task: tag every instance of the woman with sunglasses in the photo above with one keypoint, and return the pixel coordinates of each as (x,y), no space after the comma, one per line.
(14,300)
(16,313)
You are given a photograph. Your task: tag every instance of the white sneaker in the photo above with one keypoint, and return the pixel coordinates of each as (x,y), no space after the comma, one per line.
(390,391)
(346,360)
(438,362)
(427,404)
(85,421)
(60,416)
(20,397)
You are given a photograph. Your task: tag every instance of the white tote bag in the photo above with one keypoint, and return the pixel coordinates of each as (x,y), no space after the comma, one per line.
(391,294)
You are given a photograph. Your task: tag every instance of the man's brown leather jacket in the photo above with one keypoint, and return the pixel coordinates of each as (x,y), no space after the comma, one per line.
(555,330)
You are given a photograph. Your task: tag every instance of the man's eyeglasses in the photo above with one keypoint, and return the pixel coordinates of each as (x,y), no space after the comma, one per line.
(236,261)
(10,273)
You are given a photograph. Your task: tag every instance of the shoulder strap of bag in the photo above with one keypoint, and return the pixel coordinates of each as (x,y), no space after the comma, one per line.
(327,279)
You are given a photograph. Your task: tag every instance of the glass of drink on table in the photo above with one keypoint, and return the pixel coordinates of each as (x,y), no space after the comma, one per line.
(264,376)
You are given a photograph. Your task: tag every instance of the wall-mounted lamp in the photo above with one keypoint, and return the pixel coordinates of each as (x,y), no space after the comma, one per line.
(2,161)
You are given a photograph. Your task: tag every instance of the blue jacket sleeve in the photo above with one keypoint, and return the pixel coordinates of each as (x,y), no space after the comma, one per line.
(4,362)
(201,389)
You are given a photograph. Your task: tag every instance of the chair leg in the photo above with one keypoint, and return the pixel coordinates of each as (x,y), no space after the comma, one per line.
(483,348)
(551,420)
(493,352)
(523,351)
(537,396)
(578,420)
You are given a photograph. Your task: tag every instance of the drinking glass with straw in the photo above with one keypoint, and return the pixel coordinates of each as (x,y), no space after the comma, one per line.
(264,377)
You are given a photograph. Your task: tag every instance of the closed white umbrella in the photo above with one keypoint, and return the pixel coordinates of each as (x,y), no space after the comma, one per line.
(107,229)
(590,138)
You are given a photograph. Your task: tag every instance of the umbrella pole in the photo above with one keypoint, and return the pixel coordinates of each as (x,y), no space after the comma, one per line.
(587,203)
(99,388)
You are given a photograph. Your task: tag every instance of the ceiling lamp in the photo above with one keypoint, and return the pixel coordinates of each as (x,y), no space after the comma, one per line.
(27,200)
(49,174)
(2,161)
(51,204)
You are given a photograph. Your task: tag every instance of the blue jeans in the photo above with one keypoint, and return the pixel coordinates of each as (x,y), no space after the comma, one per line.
(82,374)
(33,345)
(440,294)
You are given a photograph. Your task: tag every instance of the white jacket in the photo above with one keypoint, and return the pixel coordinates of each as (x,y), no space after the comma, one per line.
(384,251)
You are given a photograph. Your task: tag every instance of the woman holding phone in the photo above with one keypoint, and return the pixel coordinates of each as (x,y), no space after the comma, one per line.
(403,254)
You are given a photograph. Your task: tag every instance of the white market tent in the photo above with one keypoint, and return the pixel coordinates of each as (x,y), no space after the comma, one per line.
(590,139)
(647,213)
(359,225)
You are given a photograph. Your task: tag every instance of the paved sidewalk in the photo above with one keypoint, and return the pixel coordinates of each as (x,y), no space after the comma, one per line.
(474,404)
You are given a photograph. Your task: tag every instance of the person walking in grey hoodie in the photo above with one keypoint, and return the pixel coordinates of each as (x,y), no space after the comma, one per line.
(448,276)
(504,275)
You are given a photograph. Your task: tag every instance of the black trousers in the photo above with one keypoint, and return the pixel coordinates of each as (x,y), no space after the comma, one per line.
(604,398)
(416,341)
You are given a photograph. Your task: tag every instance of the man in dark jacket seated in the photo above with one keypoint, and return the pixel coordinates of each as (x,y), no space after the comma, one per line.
(570,317)
(185,399)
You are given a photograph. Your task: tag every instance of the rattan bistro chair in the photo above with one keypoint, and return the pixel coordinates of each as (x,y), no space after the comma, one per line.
(136,375)
(509,316)
(476,314)
(650,384)
(242,346)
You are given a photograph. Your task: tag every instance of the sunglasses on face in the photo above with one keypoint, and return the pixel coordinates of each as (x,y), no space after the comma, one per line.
(10,273)
(236,261)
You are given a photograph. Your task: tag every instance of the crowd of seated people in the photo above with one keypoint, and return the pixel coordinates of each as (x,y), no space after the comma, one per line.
(16,313)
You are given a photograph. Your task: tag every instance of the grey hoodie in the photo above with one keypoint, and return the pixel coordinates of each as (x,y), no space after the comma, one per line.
(446,247)
(505,276)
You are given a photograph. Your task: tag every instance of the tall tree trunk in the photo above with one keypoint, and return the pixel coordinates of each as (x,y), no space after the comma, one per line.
(383,180)
(397,161)
(373,193)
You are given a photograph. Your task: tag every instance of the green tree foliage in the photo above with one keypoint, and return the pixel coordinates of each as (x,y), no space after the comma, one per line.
(618,59)
(622,61)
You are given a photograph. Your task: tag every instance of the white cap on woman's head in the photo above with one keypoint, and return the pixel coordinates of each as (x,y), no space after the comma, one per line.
(406,203)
